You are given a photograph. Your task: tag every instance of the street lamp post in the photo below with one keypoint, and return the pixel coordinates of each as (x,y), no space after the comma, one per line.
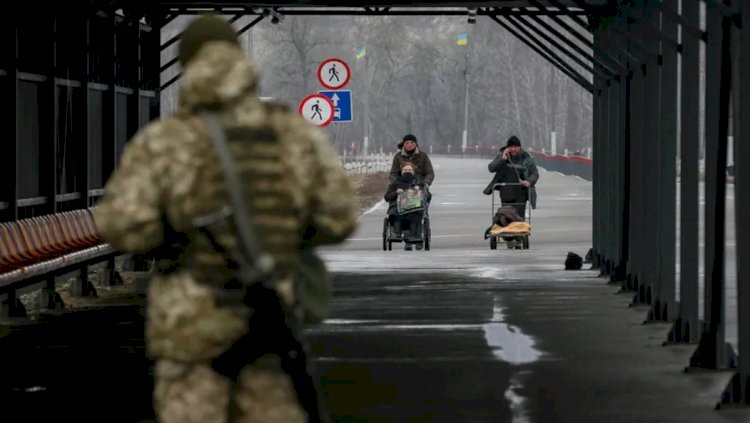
(466,103)
(464,41)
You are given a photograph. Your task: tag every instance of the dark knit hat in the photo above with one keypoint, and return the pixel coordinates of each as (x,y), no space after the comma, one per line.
(204,29)
(513,141)
(409,137)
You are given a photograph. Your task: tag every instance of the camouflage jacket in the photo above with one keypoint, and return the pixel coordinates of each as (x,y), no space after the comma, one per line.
(297,191)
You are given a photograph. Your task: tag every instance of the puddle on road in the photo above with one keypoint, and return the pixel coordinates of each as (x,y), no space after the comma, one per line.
(508,342)
(511,345)
(516,401)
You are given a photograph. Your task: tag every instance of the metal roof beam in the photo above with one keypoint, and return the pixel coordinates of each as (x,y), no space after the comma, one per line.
(589,67)
(551,57)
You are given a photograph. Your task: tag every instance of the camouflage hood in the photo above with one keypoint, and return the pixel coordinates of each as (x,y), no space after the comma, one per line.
(218,75)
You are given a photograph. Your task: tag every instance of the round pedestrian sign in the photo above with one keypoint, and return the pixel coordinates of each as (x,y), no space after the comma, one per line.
(334,73)
(317,109)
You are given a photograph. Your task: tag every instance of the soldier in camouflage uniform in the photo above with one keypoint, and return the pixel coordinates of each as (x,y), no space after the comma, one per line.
(169,175)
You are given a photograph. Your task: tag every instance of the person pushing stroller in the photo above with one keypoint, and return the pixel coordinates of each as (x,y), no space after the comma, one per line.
(409,225)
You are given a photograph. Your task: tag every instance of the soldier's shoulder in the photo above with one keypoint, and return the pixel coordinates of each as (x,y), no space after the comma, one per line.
(166,132)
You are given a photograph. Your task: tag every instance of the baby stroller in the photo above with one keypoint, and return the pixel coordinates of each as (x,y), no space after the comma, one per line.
(410,201)
(516,234)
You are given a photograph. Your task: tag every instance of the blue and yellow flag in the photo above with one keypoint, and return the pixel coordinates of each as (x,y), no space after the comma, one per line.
(361,52)
(462,39)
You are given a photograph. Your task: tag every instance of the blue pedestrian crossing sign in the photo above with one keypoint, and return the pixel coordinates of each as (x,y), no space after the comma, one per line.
(342,104)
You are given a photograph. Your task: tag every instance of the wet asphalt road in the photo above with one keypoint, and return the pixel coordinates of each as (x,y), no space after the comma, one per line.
(460,333)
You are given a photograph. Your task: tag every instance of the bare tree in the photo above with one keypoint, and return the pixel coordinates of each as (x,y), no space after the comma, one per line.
(411,79)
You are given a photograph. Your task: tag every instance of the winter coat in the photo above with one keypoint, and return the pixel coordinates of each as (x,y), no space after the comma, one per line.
(523,164)
(421,161)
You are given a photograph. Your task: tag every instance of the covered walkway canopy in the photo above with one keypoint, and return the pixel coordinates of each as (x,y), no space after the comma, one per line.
(82,78)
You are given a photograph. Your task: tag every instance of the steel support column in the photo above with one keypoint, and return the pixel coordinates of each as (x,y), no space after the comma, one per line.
(649,163)
(606,186)
(623,165)
(617,164)
(604,194)
(686,328)
(664,306)
(597,124)
(612,175)
(713,351)
(109,100)
(83,185)
(738,390)
(9,158)
(600,161)
(49,116)
(132,33)
(637,185)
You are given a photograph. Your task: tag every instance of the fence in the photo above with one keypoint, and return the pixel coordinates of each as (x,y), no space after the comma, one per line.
(372,163)
(566,164)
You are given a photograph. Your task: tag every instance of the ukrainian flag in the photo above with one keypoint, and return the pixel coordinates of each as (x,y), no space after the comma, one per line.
(462,39)
(361,52)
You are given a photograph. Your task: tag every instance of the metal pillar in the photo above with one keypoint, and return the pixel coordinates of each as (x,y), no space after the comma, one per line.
(610,176)
(83,185)
(109,99)
(649,165)
(637,181)
(713,351)
(623,165)
(49,116)
(686,328)
(597,166)
(604,192)
(664,306)
(738,390)
(9,158)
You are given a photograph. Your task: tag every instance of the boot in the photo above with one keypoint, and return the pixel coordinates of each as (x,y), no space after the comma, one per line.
(396,230)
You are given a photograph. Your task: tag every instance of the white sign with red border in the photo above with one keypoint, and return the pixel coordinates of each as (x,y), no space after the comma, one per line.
(334,73)
(317,109)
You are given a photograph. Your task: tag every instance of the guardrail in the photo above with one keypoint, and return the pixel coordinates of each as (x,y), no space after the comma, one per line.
(567,165)
(35,251)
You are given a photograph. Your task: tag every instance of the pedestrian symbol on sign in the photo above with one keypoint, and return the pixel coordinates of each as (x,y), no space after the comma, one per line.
(334,73)
(317,109)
